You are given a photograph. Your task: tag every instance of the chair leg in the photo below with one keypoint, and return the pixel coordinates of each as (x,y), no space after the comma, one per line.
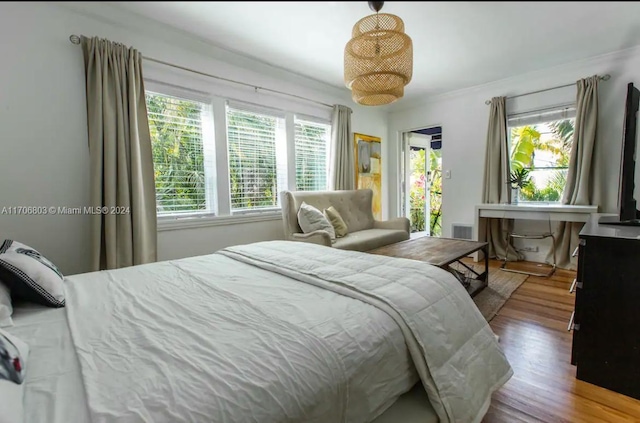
(553,248)
(542,275)
(506,251)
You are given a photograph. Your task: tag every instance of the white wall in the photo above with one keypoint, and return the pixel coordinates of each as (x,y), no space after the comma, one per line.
(463,116)
(43,142)
(197,241)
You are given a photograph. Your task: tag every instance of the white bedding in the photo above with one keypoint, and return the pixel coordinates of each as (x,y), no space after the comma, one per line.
(53,387)
(212,339)
(367,341)
(456,354)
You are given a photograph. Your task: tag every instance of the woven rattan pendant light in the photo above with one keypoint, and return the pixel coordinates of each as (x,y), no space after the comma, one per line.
(378,60)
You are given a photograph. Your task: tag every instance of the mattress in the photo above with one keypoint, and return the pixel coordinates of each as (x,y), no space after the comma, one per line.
(369,343)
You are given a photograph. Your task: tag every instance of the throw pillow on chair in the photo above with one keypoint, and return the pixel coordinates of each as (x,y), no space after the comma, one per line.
(311,219)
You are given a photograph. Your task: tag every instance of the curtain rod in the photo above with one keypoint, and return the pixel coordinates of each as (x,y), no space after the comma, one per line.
(603,78)
(75,39)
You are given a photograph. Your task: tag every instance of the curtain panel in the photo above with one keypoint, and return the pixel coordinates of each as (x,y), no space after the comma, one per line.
(496,179)
(581,185)
(121,162)
(342,161)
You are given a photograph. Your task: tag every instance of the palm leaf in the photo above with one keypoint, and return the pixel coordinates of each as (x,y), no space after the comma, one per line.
(524,144)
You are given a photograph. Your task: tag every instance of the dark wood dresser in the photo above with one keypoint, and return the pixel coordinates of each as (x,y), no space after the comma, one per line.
(606,330)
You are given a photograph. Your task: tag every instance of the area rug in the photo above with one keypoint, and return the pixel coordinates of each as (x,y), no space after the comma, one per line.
(501,287)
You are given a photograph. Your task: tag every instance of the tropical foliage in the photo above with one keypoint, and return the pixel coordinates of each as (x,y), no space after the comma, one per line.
(179,158)
(177,153)
(311,143)
(526,141)
(252,160)
(519,178)
(417,191)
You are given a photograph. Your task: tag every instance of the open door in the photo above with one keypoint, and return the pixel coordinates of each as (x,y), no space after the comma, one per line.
(417,182)
(422,181)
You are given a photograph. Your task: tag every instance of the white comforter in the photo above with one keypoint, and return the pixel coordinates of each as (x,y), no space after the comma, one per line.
(211,339)
(455,352)
(236,337)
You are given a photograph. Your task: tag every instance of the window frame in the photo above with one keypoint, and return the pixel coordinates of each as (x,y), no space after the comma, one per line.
(319,121)
(208,147)
(281,152)
(220,189)
(556,112)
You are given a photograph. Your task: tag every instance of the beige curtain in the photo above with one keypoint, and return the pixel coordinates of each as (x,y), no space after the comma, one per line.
(342,164)
(121,162)
(581,185)
(496,177)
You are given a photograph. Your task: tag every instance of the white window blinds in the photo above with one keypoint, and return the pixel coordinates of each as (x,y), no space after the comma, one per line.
(255,140)
(177,137)
(541,116)
(311,146)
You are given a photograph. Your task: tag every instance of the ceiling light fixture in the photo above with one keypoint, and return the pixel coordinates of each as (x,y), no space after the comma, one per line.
(378,60)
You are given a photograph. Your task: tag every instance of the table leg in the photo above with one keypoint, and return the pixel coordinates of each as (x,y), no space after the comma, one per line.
(485,250)
(475,285)
(480,234)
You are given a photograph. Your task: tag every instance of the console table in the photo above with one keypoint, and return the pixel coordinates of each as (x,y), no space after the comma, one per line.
(528,211)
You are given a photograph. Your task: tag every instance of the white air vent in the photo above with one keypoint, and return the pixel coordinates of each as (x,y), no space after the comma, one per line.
(461,231)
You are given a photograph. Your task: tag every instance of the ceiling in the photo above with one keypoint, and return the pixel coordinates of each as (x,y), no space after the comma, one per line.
(456,44)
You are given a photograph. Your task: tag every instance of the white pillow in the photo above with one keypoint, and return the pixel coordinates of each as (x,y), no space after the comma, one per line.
(6,309)
(311,219)
(29,275)
(12,393)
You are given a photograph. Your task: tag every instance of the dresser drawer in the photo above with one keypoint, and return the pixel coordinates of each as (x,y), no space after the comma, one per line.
(574,323)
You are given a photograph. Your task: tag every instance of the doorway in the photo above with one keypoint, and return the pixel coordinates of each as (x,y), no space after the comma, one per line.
(422,180)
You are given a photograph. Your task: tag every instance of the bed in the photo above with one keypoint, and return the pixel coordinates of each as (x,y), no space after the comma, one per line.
(268,332)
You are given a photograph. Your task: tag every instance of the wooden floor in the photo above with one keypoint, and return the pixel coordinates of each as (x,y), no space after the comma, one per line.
(533,332)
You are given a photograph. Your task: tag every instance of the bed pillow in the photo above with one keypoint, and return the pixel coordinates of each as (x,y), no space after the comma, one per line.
(13,366)
(6,309)
(29,275)
(311,219)
(336,221)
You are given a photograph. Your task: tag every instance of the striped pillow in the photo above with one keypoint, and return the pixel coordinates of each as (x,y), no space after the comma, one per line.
(29,275)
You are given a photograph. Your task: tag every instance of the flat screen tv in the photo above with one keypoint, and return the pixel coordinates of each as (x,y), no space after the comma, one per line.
(629,214)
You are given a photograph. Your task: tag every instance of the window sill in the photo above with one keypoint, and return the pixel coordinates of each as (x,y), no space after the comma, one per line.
(538,203)
(191,222)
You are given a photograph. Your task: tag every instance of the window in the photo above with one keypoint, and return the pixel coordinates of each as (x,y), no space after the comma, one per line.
(267,150)
(311,145)
(179,129)
(257,158)
(541,145)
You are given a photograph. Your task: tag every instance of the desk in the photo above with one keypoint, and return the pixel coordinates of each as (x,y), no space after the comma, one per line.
(528,211)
